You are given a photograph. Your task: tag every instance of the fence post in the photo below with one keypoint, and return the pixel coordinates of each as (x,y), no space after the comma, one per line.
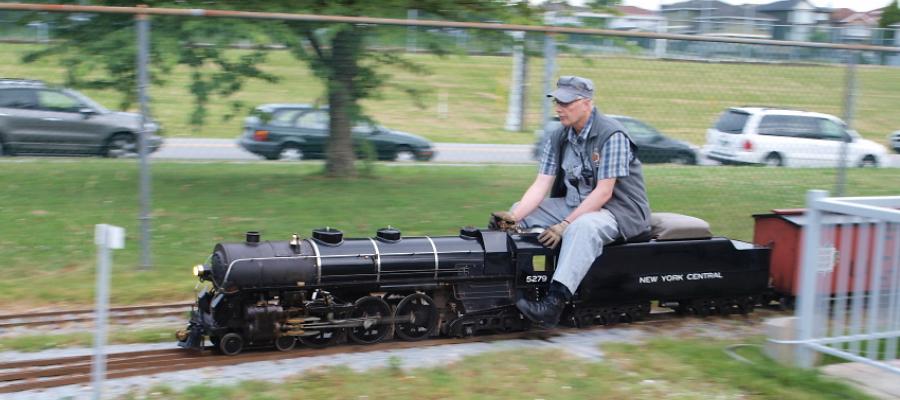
(849,104)
(549,72)
(411,14)
(515,114)
(143,51)
(106,237)
(806,298)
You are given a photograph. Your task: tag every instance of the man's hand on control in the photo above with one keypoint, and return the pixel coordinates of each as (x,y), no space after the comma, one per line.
(553,235)
(503,221)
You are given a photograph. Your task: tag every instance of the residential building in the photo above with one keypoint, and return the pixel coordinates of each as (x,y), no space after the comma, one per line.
(796,19)
(717,18)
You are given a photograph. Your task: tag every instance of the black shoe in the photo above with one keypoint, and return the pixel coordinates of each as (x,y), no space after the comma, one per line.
(546,311)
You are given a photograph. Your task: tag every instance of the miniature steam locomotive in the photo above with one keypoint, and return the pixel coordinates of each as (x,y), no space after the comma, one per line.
(323,289)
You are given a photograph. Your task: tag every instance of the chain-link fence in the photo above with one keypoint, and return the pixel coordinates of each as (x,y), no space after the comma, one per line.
(684,99)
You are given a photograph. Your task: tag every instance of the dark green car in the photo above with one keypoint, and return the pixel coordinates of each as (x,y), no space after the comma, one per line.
(300,131)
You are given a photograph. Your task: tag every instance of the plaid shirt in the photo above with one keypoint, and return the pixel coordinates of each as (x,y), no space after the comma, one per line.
(615,156)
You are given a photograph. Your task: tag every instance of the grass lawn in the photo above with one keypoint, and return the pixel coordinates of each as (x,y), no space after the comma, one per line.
(468,95)
(48,208)
(659,369)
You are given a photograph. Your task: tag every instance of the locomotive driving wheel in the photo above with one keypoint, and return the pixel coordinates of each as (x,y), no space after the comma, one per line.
(285,343)
(231,344)
(418,314)
(373,311)
(323,338)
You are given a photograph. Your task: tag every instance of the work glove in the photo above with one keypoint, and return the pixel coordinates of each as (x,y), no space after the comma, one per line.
(502,221)
(553,235)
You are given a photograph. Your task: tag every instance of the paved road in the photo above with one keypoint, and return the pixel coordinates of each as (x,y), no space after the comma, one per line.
(227,149)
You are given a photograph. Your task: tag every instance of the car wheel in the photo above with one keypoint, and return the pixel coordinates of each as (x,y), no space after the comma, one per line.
(684,159)
(122,145)
(291,152)
(404,154)
(869,161)
(773,160)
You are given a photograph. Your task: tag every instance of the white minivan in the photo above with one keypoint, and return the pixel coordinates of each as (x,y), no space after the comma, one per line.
(781,137)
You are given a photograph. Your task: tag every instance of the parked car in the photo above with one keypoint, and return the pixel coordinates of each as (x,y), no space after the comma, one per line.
(301,131)
(37,118)
(652,146)
(782,137)
(895,141)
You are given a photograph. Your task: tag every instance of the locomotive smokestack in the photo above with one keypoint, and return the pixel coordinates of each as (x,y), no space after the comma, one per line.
(252,237)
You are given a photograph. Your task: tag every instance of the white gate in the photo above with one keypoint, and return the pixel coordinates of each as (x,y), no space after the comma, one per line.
(848,303)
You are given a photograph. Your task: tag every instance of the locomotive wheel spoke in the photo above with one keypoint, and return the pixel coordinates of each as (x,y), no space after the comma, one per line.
(373,311)
(323,338)
(419,315)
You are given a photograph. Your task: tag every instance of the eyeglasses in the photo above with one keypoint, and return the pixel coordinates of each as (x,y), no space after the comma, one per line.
(565,105)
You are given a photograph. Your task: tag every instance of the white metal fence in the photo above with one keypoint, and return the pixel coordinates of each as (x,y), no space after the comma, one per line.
(849,298)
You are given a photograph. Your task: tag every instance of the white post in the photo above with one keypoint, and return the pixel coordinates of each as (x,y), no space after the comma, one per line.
(106,237)
(806,300)
(515,115)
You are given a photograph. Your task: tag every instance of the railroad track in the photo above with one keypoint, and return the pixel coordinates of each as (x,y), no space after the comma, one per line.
(48,373)
(87,315)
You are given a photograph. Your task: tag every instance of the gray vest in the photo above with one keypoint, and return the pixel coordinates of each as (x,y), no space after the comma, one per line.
(628,204)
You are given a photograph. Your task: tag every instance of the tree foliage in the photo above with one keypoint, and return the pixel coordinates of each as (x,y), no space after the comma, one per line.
(891,15)
(99,52)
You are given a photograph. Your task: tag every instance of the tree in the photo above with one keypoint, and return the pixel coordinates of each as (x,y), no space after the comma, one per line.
(602,4)
(890,16)
(338,55)
(98,52)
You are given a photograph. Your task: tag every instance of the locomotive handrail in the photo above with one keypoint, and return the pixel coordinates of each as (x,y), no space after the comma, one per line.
(377,261)
(436,264)
(318,262)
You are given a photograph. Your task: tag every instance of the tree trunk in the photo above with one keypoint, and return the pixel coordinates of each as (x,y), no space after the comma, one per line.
(342,101)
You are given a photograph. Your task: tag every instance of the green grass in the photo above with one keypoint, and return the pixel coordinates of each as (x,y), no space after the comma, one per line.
(681,98)
(48,208)
(660,368)
(116,335)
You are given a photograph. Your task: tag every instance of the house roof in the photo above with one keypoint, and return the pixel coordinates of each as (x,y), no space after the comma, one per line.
(846,16)
(632,10)
(840,13)
(786,5)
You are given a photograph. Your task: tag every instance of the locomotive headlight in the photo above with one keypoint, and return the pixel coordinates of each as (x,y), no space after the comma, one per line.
(200,271)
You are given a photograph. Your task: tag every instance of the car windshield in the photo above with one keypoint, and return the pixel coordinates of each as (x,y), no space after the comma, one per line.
(87,101)
(732,121)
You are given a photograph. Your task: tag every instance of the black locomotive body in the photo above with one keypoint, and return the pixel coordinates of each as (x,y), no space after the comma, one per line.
(319,290)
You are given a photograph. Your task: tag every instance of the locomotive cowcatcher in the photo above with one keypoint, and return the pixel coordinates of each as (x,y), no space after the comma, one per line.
(323,289)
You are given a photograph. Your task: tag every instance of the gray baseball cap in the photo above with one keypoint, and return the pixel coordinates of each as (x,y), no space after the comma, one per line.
(571,88)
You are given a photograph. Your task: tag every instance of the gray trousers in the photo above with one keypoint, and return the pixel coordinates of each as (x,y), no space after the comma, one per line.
(582,241)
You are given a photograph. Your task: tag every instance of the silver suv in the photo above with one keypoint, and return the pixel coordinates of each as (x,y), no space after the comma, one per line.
(39,118)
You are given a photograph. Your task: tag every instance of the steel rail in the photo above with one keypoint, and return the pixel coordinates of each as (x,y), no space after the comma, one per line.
(199,12)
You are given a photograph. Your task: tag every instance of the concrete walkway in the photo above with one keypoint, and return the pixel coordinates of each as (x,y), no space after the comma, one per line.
(874,381)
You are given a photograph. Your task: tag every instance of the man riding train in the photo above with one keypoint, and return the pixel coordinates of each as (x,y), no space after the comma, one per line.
(597,194)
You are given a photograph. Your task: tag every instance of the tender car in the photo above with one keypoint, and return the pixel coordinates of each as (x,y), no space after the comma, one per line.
(782,137)
(895,141)
(37,118)
(301,131)
(653,146)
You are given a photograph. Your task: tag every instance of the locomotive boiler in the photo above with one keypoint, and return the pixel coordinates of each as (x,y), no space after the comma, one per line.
(326,288)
